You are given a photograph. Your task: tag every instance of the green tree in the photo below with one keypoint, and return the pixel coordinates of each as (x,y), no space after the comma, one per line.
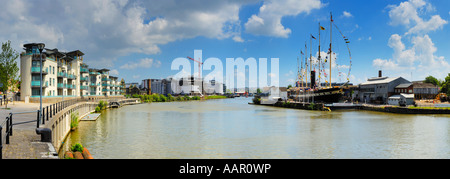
(445,87)
(432,80)
(122,83)
(258,91)
(8,67)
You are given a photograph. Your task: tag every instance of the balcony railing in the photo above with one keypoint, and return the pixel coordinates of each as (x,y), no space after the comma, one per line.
(62,74)
(84,87)
(38,84)
(84,70)
(37,70)
(71,76)
(83,78)
(94,73)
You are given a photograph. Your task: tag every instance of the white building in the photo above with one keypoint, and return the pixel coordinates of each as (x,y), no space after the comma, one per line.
(64,75)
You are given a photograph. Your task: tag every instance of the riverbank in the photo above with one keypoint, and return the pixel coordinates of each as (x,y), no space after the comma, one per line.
(368,107)
(169,98)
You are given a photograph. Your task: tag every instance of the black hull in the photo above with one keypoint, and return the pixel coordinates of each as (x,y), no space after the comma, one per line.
(330,95)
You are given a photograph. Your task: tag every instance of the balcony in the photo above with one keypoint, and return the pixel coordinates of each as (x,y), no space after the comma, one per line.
(83,78)
(37,57)
(106,79)
(92,84)
(71,76)
(61,85)
(94,73)
(37,84)
(84,87)
(62,75)
(36,70)
(84,70)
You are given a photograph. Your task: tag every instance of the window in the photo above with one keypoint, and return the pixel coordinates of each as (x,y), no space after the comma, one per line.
(53,70)
(35,92)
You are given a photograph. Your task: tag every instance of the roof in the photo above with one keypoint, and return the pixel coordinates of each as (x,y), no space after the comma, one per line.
(404,85)
(75,53)
(407,95)
(424,85)
(382,80)
(32,45)
(395,97)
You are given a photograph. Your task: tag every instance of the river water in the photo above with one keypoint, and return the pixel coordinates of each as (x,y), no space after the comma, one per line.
(231,128)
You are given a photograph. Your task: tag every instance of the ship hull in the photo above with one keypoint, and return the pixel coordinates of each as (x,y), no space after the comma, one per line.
(330,95)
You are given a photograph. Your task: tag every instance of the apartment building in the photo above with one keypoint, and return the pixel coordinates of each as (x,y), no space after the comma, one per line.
(64,75)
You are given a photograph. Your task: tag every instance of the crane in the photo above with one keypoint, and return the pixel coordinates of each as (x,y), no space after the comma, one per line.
(199,71)
(199,66)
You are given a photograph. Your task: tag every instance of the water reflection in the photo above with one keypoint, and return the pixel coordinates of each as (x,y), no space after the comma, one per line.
(233,129)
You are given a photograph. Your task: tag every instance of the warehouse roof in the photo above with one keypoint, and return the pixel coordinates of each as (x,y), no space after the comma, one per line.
(382,80)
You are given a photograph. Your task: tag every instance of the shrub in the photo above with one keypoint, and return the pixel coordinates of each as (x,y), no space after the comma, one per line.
(97,109)
(74,120)
(311,106)
(162,98)
(102,105)
(77,147)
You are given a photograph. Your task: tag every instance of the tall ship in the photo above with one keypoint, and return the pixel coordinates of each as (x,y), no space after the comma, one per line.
(312,89)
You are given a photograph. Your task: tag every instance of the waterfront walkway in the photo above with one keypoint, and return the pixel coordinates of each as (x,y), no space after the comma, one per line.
(24,143)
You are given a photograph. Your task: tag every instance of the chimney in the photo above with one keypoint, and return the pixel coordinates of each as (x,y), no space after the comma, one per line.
(380,74)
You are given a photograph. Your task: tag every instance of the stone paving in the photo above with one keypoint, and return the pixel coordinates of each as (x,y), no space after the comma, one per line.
(25,143)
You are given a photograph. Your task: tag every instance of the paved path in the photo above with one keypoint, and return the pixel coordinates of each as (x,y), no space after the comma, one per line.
(25,143)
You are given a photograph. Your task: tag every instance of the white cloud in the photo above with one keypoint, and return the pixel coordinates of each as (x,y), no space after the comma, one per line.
(238,39)
(113,28)
(268,20)
(347,14)
(114,72)
(143,63)
(420,56)
(407,14)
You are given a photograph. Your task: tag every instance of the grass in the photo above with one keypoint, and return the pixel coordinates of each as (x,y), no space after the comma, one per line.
(216,97)
(412,107)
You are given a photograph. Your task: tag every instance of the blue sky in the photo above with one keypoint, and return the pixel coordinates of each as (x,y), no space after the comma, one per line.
(140,39)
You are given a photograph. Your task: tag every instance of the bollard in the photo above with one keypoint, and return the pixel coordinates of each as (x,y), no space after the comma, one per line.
(46,134)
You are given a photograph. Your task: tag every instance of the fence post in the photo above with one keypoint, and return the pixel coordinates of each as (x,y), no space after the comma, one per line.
(47,113)
(1,143)
(38,117)
(10,124)
(7,130)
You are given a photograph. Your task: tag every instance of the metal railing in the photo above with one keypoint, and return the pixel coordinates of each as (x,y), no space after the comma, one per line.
(48,112)
(9,128)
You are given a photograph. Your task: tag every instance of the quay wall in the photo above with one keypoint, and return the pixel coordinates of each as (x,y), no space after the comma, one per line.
(403,110)
(59,123)
(378,108)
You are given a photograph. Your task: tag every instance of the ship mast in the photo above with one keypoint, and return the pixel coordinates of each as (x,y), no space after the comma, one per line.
(306,65)
(319,56)
(331,39)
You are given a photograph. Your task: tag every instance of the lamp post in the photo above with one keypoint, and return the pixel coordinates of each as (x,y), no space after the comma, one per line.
(41,48)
